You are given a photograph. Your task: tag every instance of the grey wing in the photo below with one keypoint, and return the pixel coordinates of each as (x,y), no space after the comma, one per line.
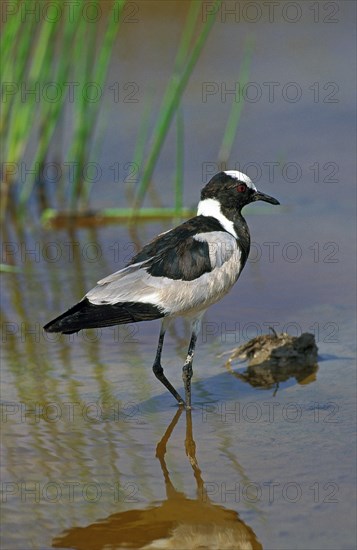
(131,284)
(135,284)
(221,246)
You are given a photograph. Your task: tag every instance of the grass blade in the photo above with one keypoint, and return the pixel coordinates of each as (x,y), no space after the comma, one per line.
(179,161)
(171,101)
(237,107)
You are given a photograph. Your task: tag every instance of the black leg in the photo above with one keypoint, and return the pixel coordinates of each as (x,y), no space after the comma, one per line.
(187,370)
(159,371)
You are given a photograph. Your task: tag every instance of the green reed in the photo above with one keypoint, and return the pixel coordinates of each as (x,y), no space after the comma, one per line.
(189,51)
(56,50)
(61,51)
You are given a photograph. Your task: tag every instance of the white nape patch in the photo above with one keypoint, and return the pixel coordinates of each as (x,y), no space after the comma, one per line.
(211,207)
(239,176)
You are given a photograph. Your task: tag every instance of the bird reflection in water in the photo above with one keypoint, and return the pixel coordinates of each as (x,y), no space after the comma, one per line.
(178,523)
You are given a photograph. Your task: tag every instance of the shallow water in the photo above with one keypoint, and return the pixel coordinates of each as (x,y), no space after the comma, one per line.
(95,454)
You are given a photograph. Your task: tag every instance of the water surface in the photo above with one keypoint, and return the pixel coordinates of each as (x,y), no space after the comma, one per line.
(94,452)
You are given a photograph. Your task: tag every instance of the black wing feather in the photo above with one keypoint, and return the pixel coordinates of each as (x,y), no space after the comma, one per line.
(86,315)
(176,254)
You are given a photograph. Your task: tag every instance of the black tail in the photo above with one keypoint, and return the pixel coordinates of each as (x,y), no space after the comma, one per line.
(87,315)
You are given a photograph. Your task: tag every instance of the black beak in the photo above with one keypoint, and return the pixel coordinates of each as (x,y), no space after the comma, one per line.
(258,196)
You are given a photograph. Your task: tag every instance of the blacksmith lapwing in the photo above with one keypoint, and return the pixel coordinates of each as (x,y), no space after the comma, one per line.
(179,274)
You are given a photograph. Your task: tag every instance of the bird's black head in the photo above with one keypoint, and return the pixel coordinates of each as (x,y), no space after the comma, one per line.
(233,190)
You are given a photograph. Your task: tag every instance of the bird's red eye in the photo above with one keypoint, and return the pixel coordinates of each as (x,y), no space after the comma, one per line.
(241,187)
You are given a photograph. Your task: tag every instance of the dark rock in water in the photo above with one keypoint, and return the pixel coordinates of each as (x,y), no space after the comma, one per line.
(278,349)
(274,358)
